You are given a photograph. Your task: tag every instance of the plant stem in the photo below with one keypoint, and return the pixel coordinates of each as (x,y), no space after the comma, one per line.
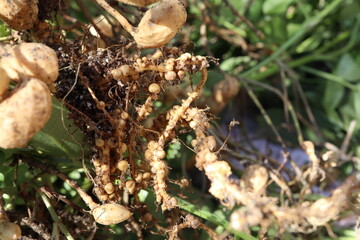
(338,39)
(55,217)
(329,76)
(124,23)
(204,214)
(212,218)
(50,169)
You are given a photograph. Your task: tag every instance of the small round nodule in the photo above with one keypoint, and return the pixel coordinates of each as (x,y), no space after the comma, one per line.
(154,88)
(170,75)
(111,213)
(122,165)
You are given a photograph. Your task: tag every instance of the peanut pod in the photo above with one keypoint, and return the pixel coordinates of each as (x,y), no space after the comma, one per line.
(19,14)
(110,213)
(29,60)
(4,82)
(160,24)
(24,113)
(9,231)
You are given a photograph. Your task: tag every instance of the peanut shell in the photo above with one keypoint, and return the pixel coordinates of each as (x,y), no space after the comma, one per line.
(4,82)
(30,60)
(160,24)
(9,231)
(19,14)
(110,213)
(24,114)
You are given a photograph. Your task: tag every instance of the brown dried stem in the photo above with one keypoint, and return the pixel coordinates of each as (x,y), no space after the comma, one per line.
(191,222)
(126,25)
(83,8)
(258,32)
(50,169)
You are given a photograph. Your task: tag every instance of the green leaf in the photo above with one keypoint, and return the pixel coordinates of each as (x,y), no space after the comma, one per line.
(278,29)
(275,7)
(255,10)
(292,28)
(59,138)
(351,110)
(143,195)
(75,175)
(173,151)
(332,95)
(348,68)
(4,30)
(239,5)
(231,63)
(348,114)
(309,44)
(225,14)
(6,154)
(355,101)
(350,11)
